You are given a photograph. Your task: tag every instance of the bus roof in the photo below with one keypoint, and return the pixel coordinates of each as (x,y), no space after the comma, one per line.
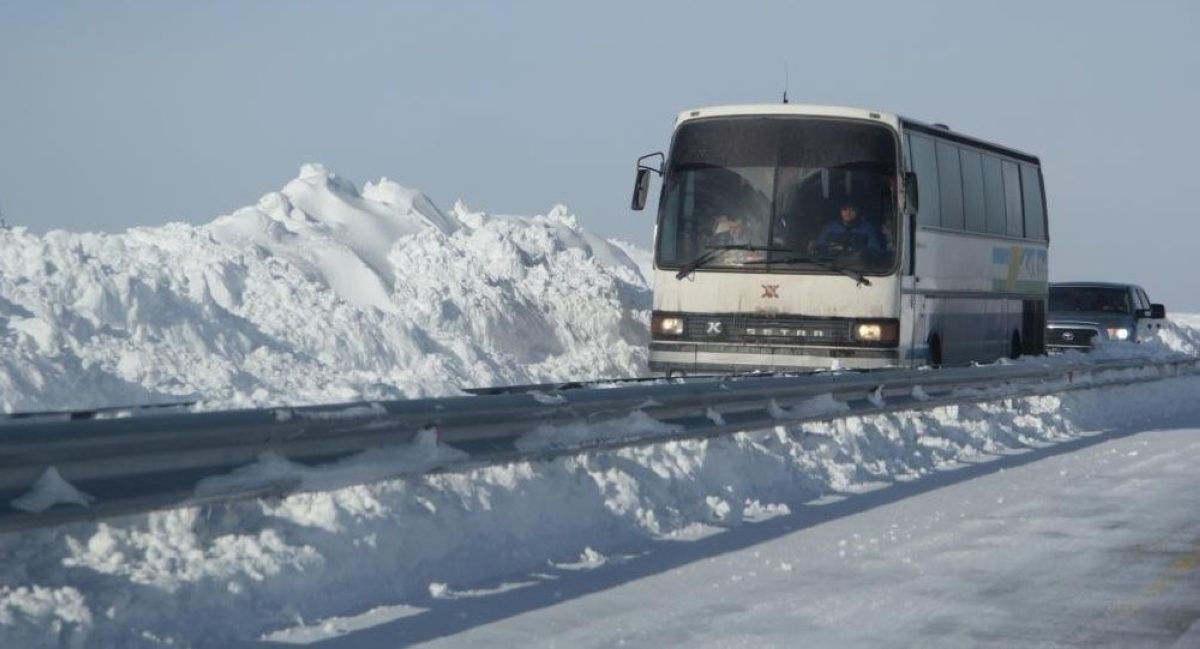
(788,109)
(819,110)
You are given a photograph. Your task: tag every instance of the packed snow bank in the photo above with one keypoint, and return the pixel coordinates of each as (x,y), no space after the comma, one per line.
(1182,333)
(318,293)
(206,576)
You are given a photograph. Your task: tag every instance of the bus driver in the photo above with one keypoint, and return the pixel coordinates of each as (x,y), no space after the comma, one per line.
(848,233)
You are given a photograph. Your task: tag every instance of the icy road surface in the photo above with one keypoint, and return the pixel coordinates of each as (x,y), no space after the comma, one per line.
(1091,543)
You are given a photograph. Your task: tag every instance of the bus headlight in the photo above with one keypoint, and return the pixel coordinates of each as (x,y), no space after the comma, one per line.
(870,332)
(667,325)
(884,332)
(1118,333)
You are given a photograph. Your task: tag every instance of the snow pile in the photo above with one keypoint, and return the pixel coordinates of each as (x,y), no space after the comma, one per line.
(206,576)
(318,293)
(1182,333)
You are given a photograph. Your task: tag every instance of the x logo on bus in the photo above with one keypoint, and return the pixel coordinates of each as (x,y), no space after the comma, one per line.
(770,290)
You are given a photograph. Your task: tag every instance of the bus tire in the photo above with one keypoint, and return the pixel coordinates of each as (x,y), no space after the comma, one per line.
(935,351)
(1014,351)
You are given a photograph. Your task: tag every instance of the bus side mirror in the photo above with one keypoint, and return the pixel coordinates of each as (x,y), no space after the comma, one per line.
(641,184)
(912,201)
(1158,311)
(641,187)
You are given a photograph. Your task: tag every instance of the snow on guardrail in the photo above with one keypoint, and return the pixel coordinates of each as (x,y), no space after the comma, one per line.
(127,465)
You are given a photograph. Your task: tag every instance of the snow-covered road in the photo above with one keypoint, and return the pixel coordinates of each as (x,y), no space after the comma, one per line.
(1090,543)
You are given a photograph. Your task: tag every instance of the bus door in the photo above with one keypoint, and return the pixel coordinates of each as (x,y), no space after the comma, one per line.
(912,305)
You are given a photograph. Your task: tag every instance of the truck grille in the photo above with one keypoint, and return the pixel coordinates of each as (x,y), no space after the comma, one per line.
(1075,337)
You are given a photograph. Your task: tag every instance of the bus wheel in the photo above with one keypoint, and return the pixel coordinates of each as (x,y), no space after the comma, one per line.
(1014,352)
(935,351)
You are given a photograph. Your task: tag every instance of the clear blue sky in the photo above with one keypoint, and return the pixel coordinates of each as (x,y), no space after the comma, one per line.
(117,114)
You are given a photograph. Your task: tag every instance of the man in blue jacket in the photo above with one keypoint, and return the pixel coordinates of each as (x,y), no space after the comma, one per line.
(849,233)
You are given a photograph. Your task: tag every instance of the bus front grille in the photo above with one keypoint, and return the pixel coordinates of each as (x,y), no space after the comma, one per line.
(767,329)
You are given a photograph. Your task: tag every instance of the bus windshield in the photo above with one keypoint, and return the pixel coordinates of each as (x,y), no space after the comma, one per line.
(793,194)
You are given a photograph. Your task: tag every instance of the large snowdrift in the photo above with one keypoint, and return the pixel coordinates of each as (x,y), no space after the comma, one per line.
(319,293)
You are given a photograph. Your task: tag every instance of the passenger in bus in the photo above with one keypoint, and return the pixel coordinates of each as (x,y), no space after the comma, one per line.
(738,231)
(729,230)
(849,233)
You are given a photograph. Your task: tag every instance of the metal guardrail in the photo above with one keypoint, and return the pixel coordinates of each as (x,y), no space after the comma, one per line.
(156,459)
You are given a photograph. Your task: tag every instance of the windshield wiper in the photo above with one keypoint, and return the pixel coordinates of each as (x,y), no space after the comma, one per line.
(712,251)
(859,278)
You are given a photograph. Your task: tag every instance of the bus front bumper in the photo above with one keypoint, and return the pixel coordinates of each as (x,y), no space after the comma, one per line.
(708,357)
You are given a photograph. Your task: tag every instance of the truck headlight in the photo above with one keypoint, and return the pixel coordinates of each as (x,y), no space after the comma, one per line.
(668,325)
(1118,333)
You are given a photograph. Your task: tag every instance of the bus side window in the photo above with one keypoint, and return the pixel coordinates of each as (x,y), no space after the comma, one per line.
(924,164)
(1031,191)
(972,177)
(993,191)
(950,179)
(1012,199)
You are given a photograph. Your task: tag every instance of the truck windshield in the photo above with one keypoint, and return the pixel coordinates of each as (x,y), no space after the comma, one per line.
(1089,298)
(794,194)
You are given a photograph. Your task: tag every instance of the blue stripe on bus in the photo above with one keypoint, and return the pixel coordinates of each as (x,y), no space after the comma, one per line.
(1001,255)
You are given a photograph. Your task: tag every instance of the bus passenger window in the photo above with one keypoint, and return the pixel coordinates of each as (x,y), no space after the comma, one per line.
(972,175)
(1031,191)
(924,164)
(993,192)
(950,180)
(1012,199)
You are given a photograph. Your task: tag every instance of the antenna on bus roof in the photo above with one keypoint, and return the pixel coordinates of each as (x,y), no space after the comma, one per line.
(785,81)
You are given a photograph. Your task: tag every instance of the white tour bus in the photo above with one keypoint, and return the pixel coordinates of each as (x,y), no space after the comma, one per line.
(791,236)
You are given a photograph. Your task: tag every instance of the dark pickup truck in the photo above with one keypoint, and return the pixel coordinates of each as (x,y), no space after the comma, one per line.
(1082,313)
